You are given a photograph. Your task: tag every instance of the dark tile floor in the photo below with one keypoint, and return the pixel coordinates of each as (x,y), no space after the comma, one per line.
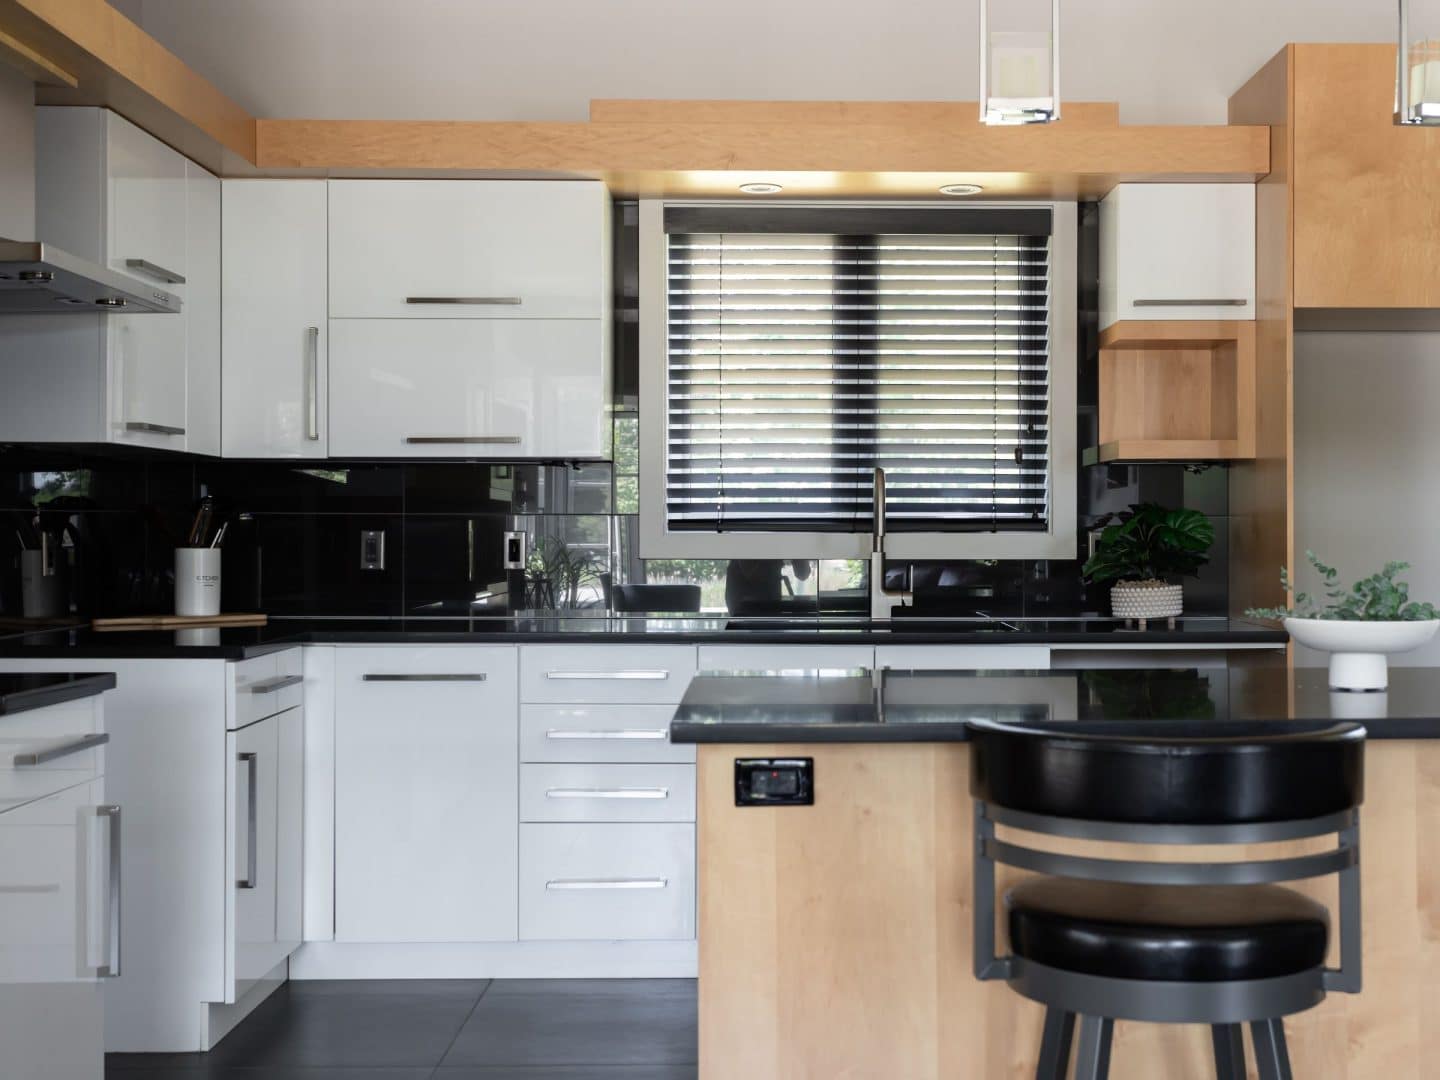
(514,1029)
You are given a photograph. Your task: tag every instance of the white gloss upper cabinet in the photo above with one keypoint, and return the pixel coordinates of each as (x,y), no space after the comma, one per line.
(109,192)
(468,249)
(1177,251)
(478,387)
(275,334)
(202,311)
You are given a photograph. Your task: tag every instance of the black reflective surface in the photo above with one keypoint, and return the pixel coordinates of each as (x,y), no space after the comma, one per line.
(22,692)
(927,706)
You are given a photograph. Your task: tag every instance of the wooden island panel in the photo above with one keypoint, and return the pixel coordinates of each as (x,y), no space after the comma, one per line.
(835,939)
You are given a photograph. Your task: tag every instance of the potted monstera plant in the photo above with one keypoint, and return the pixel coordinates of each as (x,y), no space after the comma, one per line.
(1358,626)
(1143,551)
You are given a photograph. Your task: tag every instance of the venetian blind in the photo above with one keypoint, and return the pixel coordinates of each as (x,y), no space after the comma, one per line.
(807,346)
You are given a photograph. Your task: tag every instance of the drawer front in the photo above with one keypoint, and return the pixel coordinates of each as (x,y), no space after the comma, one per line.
(624,674)
(600,733)
(265,686)
(607,882)
(613,793)
(514,388)
(963,657)
(421,249)
(784,657)
(43,751)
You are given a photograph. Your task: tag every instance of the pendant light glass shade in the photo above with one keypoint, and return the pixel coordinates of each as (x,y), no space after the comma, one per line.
(1019,61)
(1417,90)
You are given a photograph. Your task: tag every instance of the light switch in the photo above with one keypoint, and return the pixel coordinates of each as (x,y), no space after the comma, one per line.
(372,549)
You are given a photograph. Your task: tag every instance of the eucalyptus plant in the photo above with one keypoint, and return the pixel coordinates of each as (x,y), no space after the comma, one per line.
(1149,543)
(1377,598)
(555,573)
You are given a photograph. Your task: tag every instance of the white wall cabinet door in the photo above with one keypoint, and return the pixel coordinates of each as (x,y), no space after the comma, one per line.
(275,337)
(426,812)
(202,311)
(468,248)
(472,387)
(1177,251)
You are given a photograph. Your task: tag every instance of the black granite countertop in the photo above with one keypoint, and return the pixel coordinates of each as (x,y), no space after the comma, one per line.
(283,633)
(21,693)
(921,706)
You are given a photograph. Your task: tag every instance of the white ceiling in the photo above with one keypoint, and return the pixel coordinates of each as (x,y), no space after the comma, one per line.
(1165,61)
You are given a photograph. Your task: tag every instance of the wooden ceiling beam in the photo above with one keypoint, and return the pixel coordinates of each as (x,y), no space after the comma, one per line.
(930,114)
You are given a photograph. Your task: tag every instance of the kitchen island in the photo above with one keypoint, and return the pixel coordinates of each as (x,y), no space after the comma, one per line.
(835,937)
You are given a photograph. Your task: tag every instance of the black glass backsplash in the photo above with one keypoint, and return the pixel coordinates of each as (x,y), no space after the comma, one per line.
(294,543)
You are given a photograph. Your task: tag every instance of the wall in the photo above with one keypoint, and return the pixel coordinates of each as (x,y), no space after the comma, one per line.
(17,156)
(545,59)
(1367,455)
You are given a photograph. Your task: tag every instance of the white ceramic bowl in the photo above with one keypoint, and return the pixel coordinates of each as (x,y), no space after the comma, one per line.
(1358,649)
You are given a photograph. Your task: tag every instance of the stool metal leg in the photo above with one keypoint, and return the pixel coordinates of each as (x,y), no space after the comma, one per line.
(1055,1045)
(1093,1060)
(1271,1054)
(1229,1040)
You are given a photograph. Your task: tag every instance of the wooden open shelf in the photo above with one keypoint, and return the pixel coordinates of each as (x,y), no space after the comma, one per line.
(1177,391)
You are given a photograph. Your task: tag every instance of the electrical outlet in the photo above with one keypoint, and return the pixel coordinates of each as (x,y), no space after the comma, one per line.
(372,549)
(515,550)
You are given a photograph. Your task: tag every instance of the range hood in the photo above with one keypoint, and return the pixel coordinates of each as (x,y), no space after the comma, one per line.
(40,279)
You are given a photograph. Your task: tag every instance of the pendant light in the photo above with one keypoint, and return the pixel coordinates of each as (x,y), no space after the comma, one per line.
(1019,61)
(1417,83)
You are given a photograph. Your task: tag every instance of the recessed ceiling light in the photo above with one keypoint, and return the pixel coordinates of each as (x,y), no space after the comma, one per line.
(961,189)
(763,188)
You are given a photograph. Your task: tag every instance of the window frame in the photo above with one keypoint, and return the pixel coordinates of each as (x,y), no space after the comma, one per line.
(1058,541)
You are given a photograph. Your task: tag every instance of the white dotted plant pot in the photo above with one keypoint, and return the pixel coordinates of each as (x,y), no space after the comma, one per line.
(1358,649)
(1146,601)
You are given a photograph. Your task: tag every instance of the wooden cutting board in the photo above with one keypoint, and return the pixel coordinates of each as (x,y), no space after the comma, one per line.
(177,622)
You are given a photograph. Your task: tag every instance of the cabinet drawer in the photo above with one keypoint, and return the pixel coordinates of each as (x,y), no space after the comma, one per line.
(789,657)
(472,388)
(43,751)
(586,674)
(607,792)
(963,657)
(599,733)
(265,686)
(607,882)
(421,249)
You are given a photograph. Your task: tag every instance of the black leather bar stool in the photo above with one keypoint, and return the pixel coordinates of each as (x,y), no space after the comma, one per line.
(1106,939)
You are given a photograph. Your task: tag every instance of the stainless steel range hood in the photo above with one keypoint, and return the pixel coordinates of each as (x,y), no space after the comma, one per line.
(40,279)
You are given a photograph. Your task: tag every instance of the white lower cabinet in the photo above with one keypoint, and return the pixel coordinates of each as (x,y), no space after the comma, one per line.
(785,657)
(426,821)
(607,792)
(963,657)
(599,733)
(607,881)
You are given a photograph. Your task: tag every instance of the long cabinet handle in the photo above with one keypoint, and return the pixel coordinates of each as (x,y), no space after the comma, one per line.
(607,883)
(252,844)
(153,429)
(1190,302)
(468,677)
(40,757)
(463,440)
(274,685)
(608,793)
(619,733)
(114,891)
(312,383)
(639,676)
(469,301)
(155,270)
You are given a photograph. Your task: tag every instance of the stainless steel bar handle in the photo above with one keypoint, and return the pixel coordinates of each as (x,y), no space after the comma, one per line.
(153,429)
(312,383)
(463,440)
(607,883)
(274,685)
(40,757)
(620,733)
(608,793)
(470,301)
(1190,302)
(468,677)
(111,970)
(657,675)
(252,853)
(155,270)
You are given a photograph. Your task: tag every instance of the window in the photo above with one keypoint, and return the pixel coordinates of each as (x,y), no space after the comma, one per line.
(798,348)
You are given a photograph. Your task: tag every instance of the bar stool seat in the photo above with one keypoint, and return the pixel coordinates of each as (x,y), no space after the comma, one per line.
(1193,933)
